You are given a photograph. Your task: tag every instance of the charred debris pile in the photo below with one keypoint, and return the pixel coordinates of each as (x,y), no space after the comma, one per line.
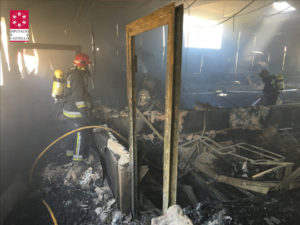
(77,193)
(236,166)
(228,159)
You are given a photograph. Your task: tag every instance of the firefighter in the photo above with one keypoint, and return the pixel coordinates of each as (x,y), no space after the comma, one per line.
(271,90)
(76,106)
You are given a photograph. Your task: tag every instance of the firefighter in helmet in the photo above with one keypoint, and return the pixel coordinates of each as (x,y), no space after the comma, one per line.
(77,106)
(273,87)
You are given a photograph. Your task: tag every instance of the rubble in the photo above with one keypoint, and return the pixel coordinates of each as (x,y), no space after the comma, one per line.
(103,193)
(221,177)
(98,210)
(88,177)
(248,118)
(208,117)
(77,194)
(219,218)
(117,217)
(248,211)
(115,160)
(272,220)
(173,216)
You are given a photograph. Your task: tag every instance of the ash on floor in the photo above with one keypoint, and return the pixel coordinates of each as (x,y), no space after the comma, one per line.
(272,209)
(77,194)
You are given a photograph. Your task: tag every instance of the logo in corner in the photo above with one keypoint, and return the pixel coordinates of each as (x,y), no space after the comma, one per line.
(19,25)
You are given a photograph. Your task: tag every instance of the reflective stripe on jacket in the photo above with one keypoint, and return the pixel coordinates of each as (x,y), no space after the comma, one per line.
(72,114)
(76,96)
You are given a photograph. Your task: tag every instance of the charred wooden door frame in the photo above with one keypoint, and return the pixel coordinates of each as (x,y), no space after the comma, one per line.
(173,17)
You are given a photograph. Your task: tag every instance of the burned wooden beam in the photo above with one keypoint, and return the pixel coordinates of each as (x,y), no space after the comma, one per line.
(214,192)
(289,182)
(149,124)
(189,193)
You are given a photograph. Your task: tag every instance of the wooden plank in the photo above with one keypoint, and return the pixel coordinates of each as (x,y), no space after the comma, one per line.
(149,124)
(131,93)
(294,185)
(168,113)
(190,194)
(295,174)
(288,170)
(214,193)
(178,32)
(286,182)
(154,20)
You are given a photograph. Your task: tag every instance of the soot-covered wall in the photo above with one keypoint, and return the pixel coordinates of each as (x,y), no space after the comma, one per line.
(28,114)
(27,111)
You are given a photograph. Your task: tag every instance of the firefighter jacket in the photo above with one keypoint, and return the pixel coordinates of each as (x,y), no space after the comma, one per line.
(270,91)
(76,96)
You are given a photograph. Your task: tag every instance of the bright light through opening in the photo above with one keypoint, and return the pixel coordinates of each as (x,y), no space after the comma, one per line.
(1,71)
(31,63)
(28,61)
(283,6)
(5,41)
(36,68)
(201,33)
(20,65)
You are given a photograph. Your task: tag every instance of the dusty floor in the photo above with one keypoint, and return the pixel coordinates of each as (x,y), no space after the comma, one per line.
(272,209)
(78,194)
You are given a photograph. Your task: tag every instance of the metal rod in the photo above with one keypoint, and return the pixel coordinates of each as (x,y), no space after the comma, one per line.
(94,61)
(284,57)
(242,146)
(267,171)
(237,53)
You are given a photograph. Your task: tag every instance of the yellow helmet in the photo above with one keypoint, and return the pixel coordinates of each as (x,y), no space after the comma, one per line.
(58,74)
(279,77)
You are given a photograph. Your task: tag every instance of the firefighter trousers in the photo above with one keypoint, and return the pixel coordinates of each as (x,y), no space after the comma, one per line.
(77,145)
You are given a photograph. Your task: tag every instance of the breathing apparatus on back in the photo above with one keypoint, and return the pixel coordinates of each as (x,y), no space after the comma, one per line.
(279,83)
(58,85)
(81,62)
